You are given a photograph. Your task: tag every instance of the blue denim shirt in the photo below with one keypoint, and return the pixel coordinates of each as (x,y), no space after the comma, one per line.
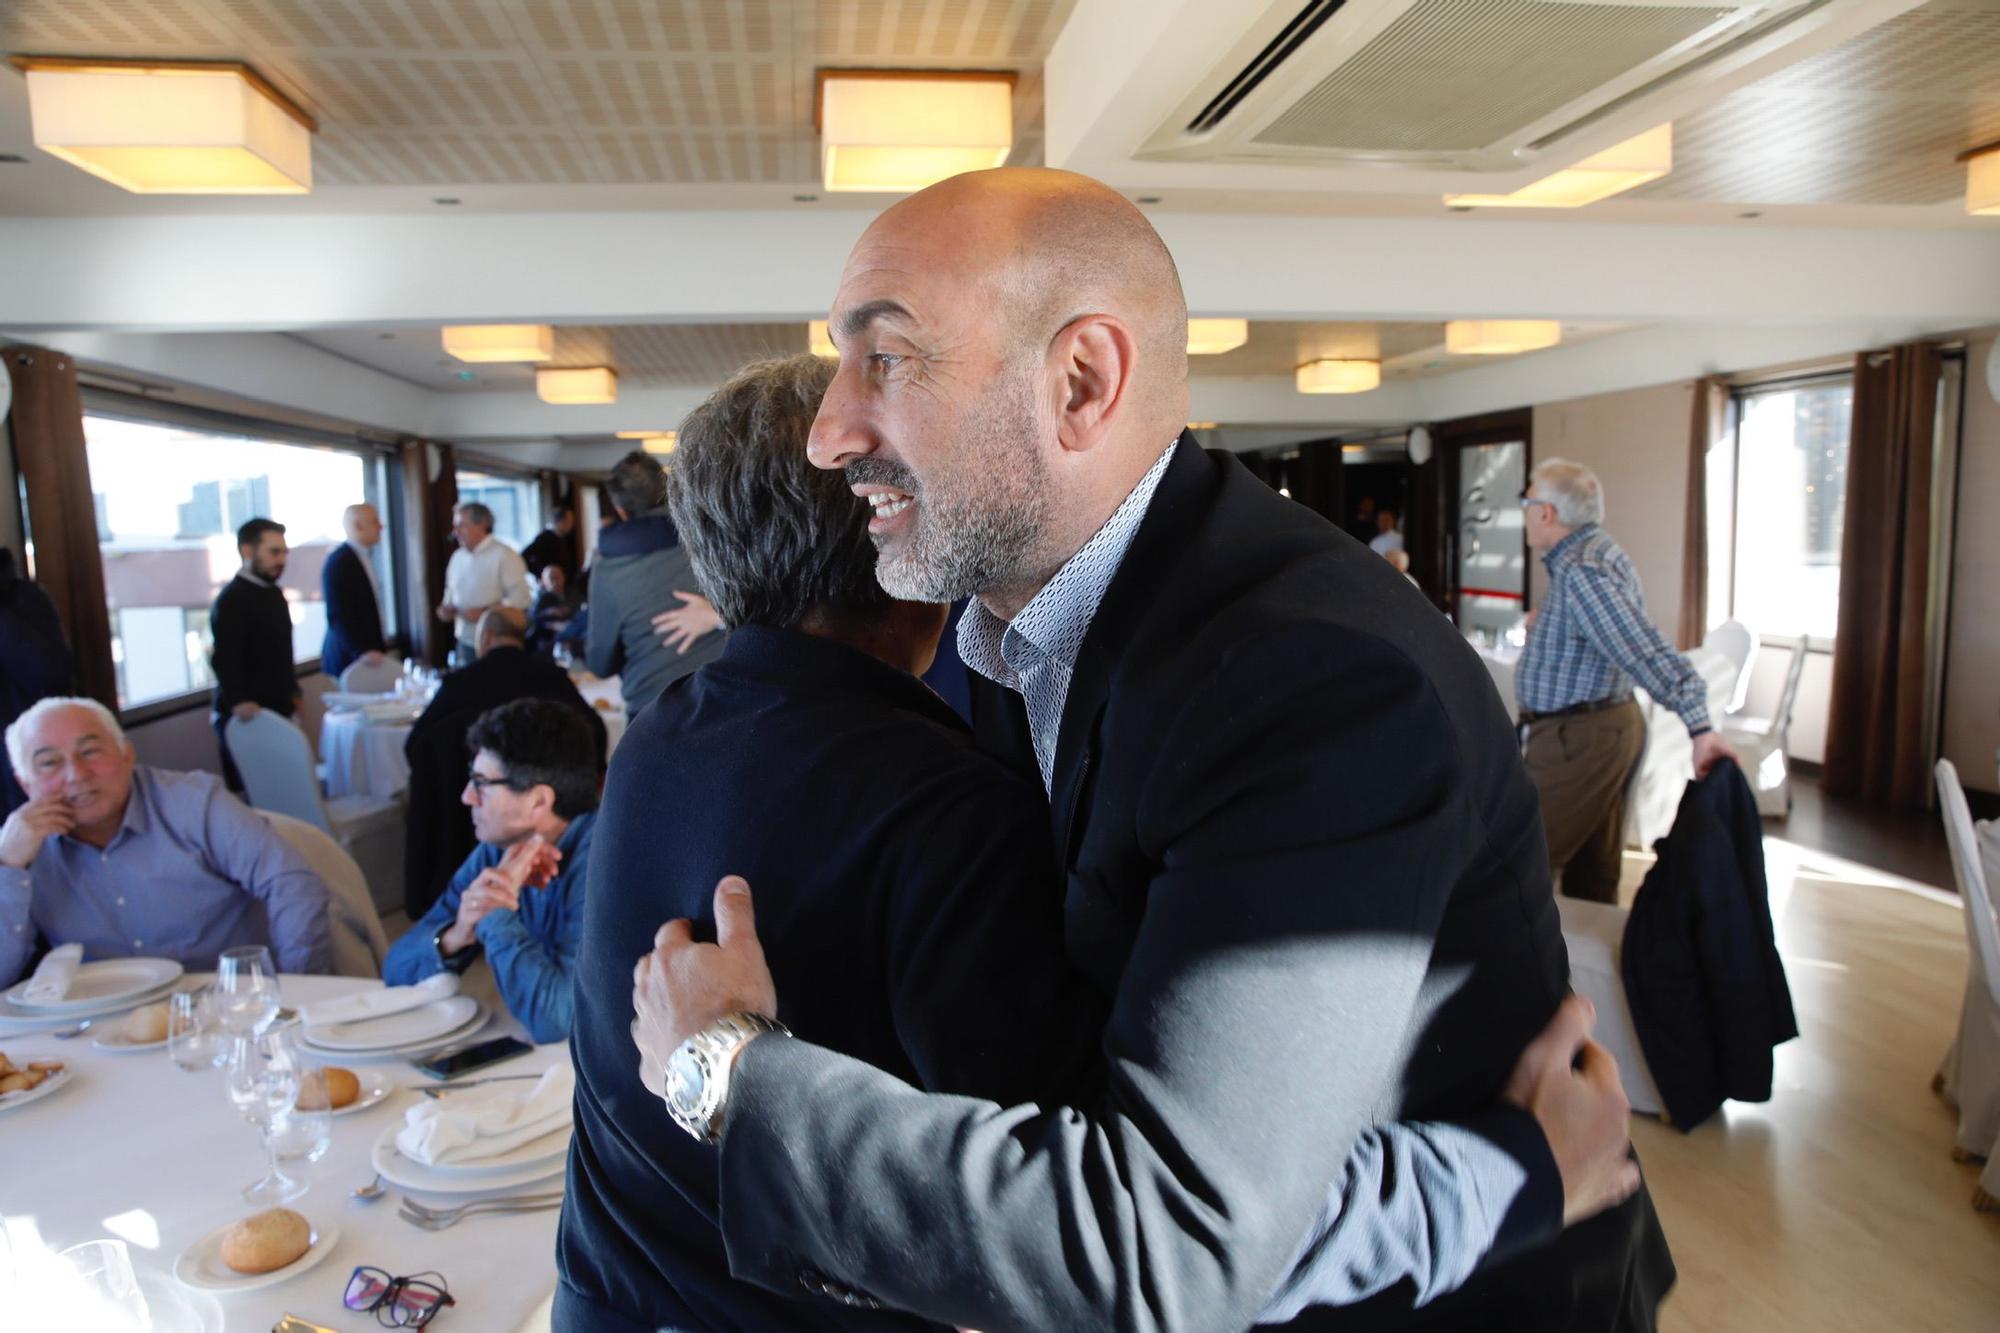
(532,951)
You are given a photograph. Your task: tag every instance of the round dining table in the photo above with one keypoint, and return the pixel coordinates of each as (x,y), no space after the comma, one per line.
(134,1148)
(363,752)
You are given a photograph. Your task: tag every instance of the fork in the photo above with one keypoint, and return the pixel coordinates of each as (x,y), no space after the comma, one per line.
(435,1219)
(442,1089)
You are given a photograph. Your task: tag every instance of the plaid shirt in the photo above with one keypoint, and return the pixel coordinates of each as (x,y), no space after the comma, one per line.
(1592,638)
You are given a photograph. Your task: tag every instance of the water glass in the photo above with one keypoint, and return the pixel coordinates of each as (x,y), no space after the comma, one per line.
(105,1287)
(302,1136)
(263,1080)
(194,1033)
(246,989)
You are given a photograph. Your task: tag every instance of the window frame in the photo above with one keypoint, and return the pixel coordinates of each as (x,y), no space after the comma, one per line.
(1739,391)
(382,471)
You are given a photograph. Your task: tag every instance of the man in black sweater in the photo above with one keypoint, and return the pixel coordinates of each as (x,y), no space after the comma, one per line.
(252,630)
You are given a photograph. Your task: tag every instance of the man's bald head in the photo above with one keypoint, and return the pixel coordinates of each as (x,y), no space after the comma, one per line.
(363,524)
(502,627)
(1053,246)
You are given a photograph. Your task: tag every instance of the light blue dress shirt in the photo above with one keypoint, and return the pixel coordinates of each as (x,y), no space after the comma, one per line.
(192,871)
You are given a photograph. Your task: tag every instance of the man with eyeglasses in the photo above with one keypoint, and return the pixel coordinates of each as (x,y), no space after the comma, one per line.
(518,899)
(1587,644)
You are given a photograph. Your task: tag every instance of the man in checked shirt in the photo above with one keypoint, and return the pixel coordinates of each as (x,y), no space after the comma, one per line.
(1586,646)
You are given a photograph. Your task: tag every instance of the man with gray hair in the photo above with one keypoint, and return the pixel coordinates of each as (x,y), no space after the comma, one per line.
(484,572)
(133,861)
(1588,642)
(642,572)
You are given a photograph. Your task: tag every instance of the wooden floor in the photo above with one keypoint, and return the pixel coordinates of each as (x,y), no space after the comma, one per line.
(1837,1205)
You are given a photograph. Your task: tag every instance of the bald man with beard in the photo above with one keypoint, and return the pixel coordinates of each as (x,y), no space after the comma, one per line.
(1295,940)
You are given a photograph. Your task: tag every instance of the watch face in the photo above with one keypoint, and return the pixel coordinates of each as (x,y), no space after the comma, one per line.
(687,1080)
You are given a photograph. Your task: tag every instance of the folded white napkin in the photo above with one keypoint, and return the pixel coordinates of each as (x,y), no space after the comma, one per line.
(367,1004)
(471,1126)
(51,980)
(390,712)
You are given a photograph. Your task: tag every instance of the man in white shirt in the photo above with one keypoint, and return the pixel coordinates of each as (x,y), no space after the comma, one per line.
(1387,536)
(484,572)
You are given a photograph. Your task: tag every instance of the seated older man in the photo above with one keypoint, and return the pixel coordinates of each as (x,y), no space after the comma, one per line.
(129,860)
(519,897)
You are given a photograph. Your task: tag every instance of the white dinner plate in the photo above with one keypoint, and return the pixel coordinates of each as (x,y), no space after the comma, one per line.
(426,1022)
(104,983)
(200,1267)
(400,1170)
(376,1087)
(16,1021)
(8,1101)
(327,1056)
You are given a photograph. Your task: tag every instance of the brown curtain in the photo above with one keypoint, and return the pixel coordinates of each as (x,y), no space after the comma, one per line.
(1710,420)
(429,500)
(62,516)
(1318,482)
(1875,746)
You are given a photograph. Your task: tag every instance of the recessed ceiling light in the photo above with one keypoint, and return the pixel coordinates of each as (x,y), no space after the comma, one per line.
(1621,167)
(582,384)
(1500,337)
(500,342)
(1982,179)
(896,131)
(170,126)
(1212,337)
(1339,376)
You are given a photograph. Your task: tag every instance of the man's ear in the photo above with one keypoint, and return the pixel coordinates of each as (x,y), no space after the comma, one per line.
(1095,357)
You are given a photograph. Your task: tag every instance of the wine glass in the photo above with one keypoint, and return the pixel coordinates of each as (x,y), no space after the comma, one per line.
(263,1084)
(302,1136)
(194,1033)
(246,989)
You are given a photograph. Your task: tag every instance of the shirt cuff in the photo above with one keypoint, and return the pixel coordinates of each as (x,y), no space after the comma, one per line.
(499,927)
(1536,1213)
(1696,717)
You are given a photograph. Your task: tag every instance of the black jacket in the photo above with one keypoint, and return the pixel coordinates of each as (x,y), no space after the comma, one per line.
(252,628)
(1702,974)
(439,834)
(905,901)
(353,617)
(1303,857)
(35,662)
(549,548)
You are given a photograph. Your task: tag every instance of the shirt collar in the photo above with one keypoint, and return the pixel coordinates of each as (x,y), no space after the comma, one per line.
(1053,624)
(1565,549)
(364,552)
(259,580)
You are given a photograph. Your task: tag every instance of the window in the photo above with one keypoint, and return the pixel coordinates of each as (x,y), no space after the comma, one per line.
(1776,513)
(516,503)
(169,499)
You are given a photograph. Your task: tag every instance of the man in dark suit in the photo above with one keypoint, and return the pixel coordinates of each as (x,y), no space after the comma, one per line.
(347,582)
(1297,939)
(440,834)
(553,545)
(251,626)
(948,970)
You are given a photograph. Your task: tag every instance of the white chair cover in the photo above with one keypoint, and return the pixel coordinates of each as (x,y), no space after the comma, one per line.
(277,767)
(1761,743)
(1595,934)
(361,678)
(359,942)
(1970,1075)
(1733,640)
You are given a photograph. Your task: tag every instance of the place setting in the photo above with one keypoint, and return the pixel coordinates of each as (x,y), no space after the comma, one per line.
(65,992)
(391,1023)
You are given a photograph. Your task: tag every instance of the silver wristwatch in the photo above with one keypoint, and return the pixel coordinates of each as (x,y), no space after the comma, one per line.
(697,1074)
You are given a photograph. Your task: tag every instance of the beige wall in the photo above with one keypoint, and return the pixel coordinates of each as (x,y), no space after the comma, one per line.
(1637,443)
(1972,656)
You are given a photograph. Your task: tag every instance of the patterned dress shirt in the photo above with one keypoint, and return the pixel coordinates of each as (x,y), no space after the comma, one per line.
(1035,654)
(191,871)
(1592,638)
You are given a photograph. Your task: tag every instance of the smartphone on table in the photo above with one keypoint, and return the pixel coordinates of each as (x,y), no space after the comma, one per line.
(453,1063)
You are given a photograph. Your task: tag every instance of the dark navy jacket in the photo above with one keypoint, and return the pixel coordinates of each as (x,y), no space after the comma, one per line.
(906,902)
(353,617)
(1702,974)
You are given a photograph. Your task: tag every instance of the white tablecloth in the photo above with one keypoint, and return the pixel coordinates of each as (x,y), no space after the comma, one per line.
(135,1148)
(605,694)
(363,758)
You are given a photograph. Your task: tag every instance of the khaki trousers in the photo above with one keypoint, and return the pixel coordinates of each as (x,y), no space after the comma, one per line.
(1580,763)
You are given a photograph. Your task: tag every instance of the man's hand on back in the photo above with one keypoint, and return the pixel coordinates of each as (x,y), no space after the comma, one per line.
(29,826)
(1570,1085)
(681,987)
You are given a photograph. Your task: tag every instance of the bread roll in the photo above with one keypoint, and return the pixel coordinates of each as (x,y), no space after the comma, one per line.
(328,1089)
(266,1241)
(146,1025)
